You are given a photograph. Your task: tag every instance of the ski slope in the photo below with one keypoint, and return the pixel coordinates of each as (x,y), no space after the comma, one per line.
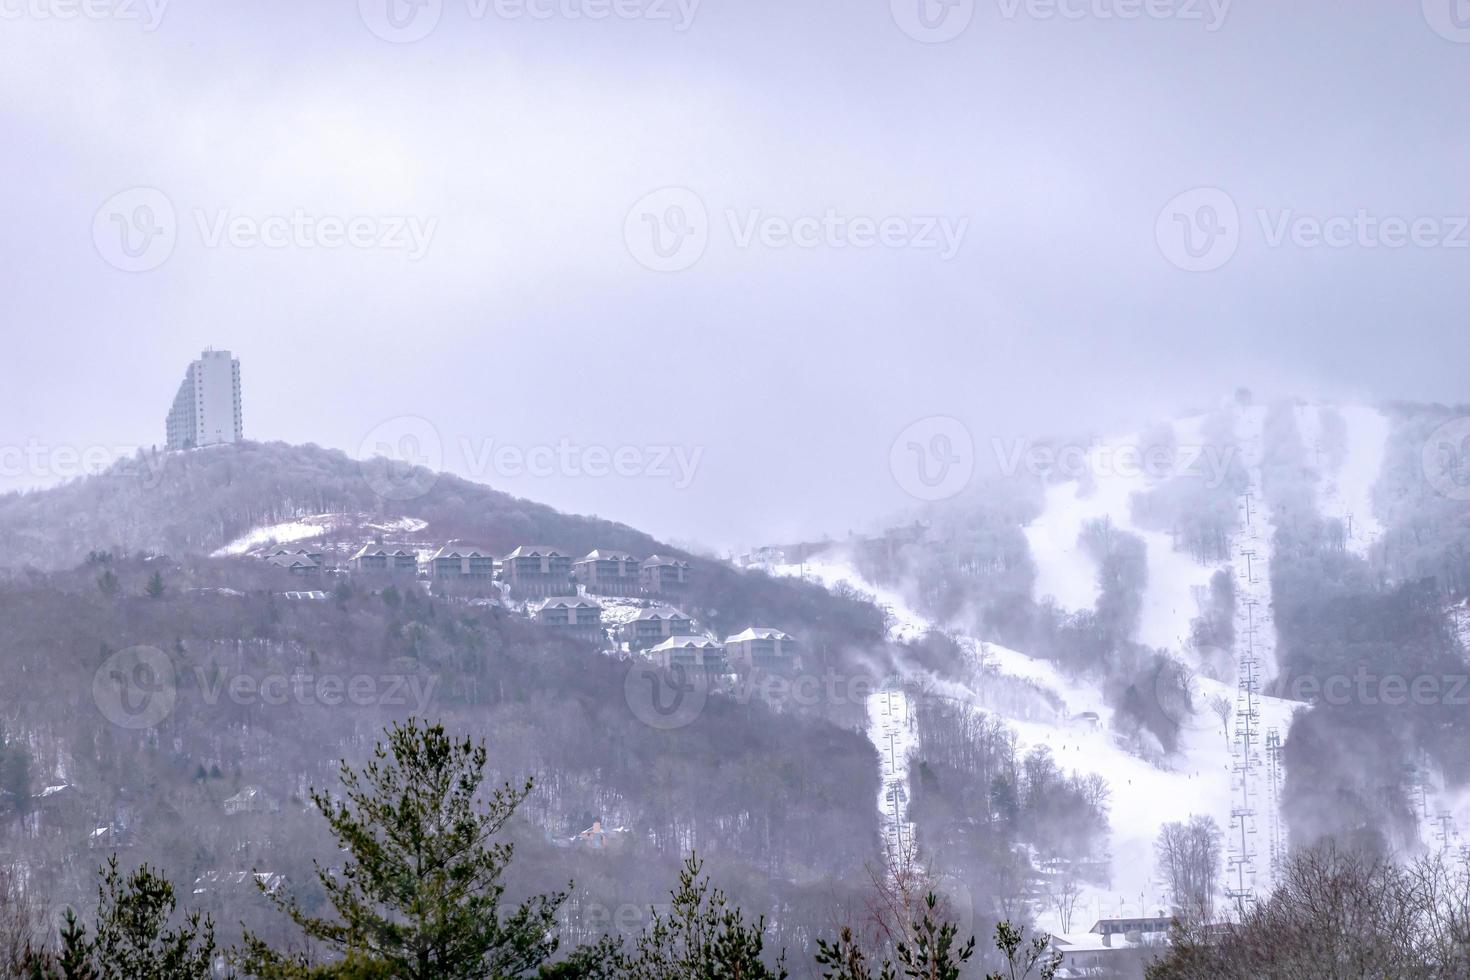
(1197,780)
(1066,572)
(1345,489)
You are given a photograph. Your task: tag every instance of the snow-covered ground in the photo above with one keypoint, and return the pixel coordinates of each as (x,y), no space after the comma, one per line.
(890,729)
(1346,489)
(278,534)
(1198,779)
(315,526)
(1066,572)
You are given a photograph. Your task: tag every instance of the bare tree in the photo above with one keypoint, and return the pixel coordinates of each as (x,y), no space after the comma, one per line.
(1338,913)
(22,922)
(1222,707)
(1189,860)
(1064,892)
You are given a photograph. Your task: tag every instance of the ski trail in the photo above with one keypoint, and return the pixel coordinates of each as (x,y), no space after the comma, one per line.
(1197,780)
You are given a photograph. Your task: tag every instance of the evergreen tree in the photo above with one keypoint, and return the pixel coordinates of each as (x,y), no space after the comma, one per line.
(107,583)
(154,589)
(419,895)
(131,937)
(702,938)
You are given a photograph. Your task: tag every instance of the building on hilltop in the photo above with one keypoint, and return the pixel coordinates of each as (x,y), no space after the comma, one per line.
(572,615)
(459,562)
(763,649)
(661,575)
(377,559)
(691,653)
(534,572)
(207,409)
(612,573)
(656,624)
(296,563)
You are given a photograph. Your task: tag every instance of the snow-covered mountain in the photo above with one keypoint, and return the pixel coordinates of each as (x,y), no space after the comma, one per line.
(1228,764)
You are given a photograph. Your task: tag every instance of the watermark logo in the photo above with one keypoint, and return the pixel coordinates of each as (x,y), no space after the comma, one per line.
(1199,230)
(45,461)
(834,230)
(223,228)
(136,688)
(401,458)
(1446,459)
(147,13)
(932,21)
(933,459)
(1367,688)
(401,21)
(407,21)
(1363,230)
(1210,13)
(1450,19)
(664,699)
(677,464)
(328,690)
(1155,462)
(667,230)
(136,230)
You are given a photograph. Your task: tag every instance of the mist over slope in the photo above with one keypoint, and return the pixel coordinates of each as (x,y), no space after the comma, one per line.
(1287,550)
(1005,684)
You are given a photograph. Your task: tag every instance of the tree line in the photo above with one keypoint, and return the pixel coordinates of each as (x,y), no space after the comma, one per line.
(416,890)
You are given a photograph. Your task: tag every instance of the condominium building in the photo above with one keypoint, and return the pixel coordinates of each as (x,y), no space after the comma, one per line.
(206,410)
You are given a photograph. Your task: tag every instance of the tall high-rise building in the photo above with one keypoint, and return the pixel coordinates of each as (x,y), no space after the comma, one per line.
(206,410)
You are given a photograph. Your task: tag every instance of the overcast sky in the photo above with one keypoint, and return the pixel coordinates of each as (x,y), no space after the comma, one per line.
(762,237)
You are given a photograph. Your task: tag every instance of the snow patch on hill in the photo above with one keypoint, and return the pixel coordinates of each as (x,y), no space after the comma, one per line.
(278,534)
(316,526)
(1196,780)
(1066,572)
(1346,488)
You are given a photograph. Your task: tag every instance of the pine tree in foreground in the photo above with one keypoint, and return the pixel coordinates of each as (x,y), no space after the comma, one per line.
(420,892)
(702,938)
(131,937)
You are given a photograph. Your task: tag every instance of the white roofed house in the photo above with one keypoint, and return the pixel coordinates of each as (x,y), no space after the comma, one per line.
(763,649)
(656,624)
(608,573)
(1112,948)
(665,576)
(251,799)
(571,615)
(694,653)
(535,571)
(381,560)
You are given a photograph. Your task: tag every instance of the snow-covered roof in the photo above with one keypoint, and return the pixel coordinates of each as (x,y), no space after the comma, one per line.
(536,551)
(565,602)
(379,551)
(606,556)
(759,633)
(664,560)
(455,551)
(662,612)
(689,643)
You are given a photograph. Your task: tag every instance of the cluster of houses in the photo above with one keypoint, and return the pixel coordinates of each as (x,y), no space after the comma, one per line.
(528,572)
(671,639)
(558,591)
